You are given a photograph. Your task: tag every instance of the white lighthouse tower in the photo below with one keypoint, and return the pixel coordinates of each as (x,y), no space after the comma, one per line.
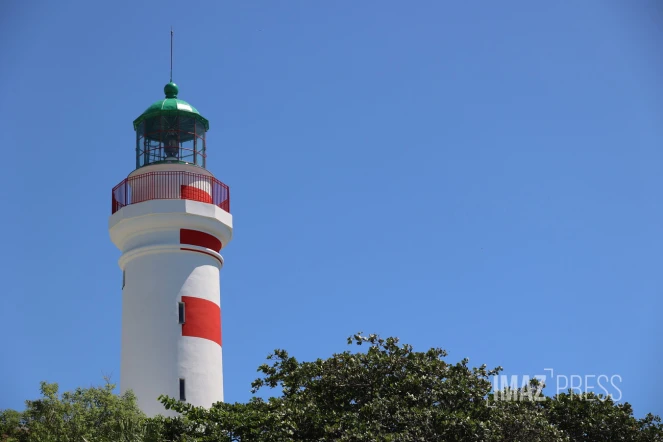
(170,219)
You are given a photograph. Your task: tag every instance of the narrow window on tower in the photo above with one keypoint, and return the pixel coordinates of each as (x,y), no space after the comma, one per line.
(181,312)
(182,390)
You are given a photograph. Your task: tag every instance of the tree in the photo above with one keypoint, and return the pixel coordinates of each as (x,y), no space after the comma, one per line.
(388,392)
(392,393)
(595,418)
(93,414)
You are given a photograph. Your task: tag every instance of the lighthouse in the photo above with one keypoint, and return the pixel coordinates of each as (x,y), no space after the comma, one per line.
(170,219)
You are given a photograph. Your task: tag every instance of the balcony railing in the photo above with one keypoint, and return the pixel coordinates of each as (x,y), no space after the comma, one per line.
(171,185)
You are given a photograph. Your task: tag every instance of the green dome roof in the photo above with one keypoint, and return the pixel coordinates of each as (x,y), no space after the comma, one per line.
(171,105)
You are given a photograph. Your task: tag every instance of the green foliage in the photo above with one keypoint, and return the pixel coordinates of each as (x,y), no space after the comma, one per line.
(94,414)
(392,393)
(598,419)
(388,392)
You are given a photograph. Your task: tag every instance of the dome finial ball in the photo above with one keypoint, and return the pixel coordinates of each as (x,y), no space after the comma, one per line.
(171,90)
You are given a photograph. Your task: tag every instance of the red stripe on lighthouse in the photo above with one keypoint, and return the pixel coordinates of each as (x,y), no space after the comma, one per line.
(201,239)
(203,319)
(195,194)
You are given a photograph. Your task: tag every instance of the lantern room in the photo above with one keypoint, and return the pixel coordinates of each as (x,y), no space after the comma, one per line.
(170,131)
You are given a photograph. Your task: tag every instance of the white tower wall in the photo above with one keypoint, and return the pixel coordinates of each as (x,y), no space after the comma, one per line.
(168,257)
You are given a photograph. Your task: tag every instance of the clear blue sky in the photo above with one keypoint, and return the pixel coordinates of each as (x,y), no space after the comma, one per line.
(481,176)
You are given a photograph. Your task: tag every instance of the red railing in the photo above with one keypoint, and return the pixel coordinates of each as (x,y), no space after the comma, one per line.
(171,185)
